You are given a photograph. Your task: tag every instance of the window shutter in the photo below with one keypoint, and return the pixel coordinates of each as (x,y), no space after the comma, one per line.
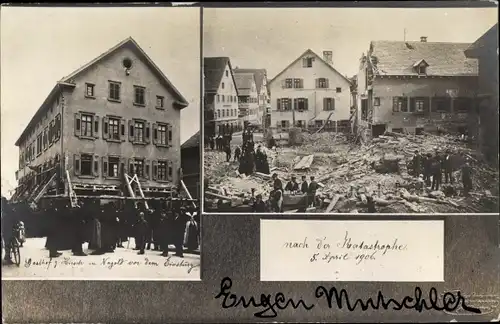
(76,164)
(283,83)
(131,168)
(317,83)
(306,104)
(427,104)
(333,103)
(123,166)
(104,166)
(148,133)
(58,127)
(412,104)
(170,172)
(130,130)
(95,165)
(78,125)
(170,135)
(295,103)
(304,62)
(96,126)
(105,127)
(155,133)
(146,169)
(325,103)
(395,104)
(278,104)
(122,130)
(327,82)
(154,167)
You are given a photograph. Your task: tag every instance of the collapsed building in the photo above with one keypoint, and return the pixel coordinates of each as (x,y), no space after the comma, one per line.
(108,131)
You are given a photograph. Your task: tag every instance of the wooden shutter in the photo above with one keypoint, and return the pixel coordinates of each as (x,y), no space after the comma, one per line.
(95,165)
(78,124)
(155,133)
(317,83)
(301,83)
(131,168)
(105,127)
(278,104)
(123,166)
(283,83)
(333,103)
(412,104)
(76,164)
(325,104)
(295,103)
(146,169)
(104,166)
(427,104)
(306,103)
(123,130)
(304,62)
(395,106)
(96,126)
(170,135)
(131,130)
(327,83)
(154,167)
(170,171)
(58,127)
(147,137)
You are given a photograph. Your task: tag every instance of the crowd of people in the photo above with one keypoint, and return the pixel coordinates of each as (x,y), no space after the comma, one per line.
(108,227)
(433,167)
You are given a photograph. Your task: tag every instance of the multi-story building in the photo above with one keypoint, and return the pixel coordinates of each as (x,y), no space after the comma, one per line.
(263,97)
(118,114)
(415,86)
(248,104)
(220,96)
(310,92)
(485,49)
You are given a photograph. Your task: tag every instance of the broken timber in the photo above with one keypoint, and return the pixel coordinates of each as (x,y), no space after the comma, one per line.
(332,203)
(304,163)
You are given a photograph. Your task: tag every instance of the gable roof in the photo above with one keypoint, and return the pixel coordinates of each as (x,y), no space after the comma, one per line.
(443,59)
(309,51)
(259,76)
(244,83)
(68,80)
(490,36)
(213,70)
(193,141)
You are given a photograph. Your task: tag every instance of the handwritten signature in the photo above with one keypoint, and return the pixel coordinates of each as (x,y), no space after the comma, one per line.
(270,305)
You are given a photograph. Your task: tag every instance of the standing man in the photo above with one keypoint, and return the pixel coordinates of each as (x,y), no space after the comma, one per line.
(313,187)
(277,184)
(436,172)
(305,186)
(448,167)
(8,222)
(292,185)
(142,229)
(417,161)
(259,206)
(78,224)
(427,164)
(237,154)
(227,148)
(179,228)
(467,177)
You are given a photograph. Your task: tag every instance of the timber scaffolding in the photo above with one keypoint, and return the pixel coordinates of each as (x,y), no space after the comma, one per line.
(49,184)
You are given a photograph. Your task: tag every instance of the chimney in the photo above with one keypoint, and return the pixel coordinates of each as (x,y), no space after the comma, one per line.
(327,56)
(423,39)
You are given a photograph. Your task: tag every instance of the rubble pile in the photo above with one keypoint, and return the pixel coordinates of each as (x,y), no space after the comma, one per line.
(349,174)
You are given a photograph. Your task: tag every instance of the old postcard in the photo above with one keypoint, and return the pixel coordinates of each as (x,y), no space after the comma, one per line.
(350,110)
(100,143)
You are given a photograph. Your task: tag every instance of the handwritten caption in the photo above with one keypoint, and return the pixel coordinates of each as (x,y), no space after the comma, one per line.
(107,263)
(328,250)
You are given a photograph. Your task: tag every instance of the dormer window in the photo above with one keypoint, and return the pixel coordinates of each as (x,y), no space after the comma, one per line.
(421,67)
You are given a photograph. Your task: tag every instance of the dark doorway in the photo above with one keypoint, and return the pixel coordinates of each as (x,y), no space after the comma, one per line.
(378,130)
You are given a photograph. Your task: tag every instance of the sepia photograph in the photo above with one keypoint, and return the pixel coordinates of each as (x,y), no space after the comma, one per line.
(101,157)
(350,110)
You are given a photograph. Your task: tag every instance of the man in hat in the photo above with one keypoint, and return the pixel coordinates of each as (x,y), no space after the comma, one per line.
(436,172)
(277,184)
(237,154)
(292,185)
(259,206)
(179,229)
(467,177)
(417,161)
(427,164)
(142,231)
(304,186)
(313,187)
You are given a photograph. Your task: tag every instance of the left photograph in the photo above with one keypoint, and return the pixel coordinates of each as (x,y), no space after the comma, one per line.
(100,143)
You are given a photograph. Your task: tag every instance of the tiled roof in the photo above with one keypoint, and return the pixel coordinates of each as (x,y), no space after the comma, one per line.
(259,75)
(193,141)
(213,68)
(243,82)
(444,59)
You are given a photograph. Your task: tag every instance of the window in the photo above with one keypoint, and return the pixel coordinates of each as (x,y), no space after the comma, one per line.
(138,132)
(227,73)
(462,104)
(376,101)
(159,101)
(338,90)
(218,98)
(161,137)
(322,83)
(307,62)
(162,170)
(113,167)
(441,104)
(114,128)
(139,95)
(297,83)
(288,83)
(114,91)
(223,98)
(86,125)
(419,104)
(300,104)
(51,133)
(39,144)
(328,104)
(284,123)
(223,84)
(89,90)
(422,69)
(399,104)
(45,138)
(218,113)
(137,167)
(86,164)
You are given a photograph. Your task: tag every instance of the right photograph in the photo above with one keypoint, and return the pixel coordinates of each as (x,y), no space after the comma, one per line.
(350,110)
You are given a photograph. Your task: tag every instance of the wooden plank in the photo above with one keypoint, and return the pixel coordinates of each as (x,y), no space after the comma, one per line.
(208,193)
(304,163)
(332,203)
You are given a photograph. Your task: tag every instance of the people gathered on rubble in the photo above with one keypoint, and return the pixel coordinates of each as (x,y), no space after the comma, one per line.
(107,227)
